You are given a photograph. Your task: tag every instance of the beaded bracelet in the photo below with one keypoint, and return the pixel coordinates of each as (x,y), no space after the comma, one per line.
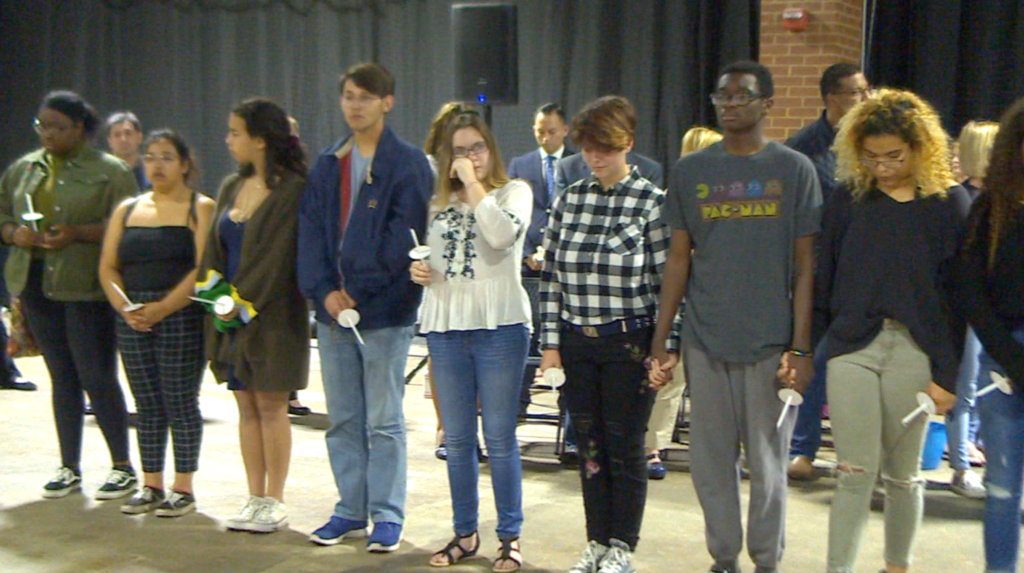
(800,353)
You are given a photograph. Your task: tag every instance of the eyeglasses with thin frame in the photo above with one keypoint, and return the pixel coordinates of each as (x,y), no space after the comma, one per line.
(42,128)
(474,150)
(740,99)
(165,158)
(888,163)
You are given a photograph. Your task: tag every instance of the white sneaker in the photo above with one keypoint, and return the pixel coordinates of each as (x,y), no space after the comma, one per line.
(273,515)
(591,558)
(619,559)
(243,520)
(967,484)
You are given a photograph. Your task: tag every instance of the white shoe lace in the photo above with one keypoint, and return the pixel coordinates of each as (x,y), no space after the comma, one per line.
(65,475)
(118,478)
(272,511)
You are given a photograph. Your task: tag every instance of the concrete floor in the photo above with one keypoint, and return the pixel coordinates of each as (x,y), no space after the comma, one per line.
(80,534)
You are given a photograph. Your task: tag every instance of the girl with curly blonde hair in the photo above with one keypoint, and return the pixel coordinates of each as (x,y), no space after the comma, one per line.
(890,232)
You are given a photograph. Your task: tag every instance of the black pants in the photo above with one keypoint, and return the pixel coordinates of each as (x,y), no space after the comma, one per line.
(79,346)
(165,370)
(8,370)
(609,403)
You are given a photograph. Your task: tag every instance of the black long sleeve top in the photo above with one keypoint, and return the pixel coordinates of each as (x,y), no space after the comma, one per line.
(992,298)
(881,258)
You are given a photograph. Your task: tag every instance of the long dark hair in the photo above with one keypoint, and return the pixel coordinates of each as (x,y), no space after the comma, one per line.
(265,119)
(1004,180)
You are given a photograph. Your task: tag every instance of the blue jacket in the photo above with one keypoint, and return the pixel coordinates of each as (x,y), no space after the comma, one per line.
(373,256)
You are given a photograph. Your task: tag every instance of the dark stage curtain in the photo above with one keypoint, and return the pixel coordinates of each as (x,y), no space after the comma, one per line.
(184,63)
(965,56)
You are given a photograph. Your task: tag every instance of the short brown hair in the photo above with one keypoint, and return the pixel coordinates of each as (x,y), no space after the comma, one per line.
(370,76)
(605,124)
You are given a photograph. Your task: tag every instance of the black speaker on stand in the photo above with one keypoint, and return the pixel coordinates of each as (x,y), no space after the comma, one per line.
(486,54)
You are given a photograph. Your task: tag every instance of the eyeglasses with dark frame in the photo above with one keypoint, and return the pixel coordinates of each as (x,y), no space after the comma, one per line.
(42,128)
(474,150)
(740,99)
(863,92)
(888,163)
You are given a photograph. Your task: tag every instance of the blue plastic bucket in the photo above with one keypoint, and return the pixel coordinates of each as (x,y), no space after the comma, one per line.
(934,446)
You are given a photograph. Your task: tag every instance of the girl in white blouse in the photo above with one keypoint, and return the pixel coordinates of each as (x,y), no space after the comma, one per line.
(476,318)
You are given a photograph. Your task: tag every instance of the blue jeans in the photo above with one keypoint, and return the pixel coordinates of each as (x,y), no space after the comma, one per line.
(807,432)
(364,387)
(488,364)
(1002,426)
(961,424)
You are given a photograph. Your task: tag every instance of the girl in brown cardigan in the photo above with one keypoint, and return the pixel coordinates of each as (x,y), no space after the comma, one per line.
(261,347)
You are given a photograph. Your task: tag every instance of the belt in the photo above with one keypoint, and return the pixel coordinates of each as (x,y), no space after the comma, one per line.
(612,328)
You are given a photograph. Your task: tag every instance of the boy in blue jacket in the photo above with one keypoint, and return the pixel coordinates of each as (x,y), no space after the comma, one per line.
(362,196)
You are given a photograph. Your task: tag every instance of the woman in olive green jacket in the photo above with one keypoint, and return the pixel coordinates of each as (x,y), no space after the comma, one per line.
(54,203)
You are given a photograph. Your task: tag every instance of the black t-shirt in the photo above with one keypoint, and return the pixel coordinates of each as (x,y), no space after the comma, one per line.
(881,258)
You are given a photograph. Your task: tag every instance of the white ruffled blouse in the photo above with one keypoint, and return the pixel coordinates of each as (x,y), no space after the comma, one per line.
(475,261)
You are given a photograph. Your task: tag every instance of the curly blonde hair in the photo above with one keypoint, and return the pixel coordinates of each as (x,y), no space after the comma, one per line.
(904,115)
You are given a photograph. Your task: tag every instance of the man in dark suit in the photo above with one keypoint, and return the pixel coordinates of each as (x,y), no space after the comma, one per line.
(572,169)
(538,169)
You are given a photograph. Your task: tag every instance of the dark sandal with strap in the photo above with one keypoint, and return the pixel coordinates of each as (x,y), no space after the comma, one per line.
(456,544)
(509,552)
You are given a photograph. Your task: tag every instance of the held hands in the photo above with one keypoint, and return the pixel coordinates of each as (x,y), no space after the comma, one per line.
(795,371)
(943,399)
(660,366)
(143,319)
(532,262)
(419,271)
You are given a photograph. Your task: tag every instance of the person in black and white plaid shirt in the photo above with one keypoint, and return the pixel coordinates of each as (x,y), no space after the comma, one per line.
(605,248)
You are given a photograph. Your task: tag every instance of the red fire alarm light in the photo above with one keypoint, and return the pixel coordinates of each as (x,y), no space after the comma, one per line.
(795,19)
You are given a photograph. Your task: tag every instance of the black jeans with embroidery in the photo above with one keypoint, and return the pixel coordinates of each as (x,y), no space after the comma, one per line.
(609,404)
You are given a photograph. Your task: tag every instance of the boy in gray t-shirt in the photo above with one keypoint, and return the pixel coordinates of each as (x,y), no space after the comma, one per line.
(744,212)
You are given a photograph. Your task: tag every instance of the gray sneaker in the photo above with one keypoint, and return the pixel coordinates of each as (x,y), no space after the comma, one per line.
(591,558)
(178,503)
(619,559)
(144,500)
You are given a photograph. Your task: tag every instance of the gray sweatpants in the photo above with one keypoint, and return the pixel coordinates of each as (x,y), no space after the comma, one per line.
(733,402)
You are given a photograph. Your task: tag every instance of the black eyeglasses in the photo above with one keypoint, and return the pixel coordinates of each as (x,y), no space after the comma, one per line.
(740,99)
(472,151)
(42,128)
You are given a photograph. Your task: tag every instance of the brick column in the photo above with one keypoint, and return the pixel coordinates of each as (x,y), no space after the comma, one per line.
(797,59)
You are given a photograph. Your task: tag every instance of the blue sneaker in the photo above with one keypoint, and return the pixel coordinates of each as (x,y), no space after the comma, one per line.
(386,537)
(655,469)
(337,529)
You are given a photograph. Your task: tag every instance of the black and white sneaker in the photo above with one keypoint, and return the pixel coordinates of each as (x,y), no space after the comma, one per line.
(119,484)
(144,500)
(65,482)
(178,503)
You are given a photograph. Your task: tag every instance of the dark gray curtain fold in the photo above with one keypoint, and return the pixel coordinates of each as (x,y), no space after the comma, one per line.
(965,56)
(185,63)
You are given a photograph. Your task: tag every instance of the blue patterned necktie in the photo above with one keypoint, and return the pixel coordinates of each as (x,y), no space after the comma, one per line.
(549,165)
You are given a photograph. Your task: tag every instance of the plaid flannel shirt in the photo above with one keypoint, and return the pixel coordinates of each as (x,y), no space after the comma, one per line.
(605,251)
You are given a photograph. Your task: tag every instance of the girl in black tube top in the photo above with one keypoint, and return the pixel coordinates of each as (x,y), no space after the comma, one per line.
(151,251)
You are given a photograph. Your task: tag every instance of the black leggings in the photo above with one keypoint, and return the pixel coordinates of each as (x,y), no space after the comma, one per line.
(79,346)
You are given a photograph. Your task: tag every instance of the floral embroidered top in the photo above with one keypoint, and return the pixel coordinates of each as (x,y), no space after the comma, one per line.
(475,261)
